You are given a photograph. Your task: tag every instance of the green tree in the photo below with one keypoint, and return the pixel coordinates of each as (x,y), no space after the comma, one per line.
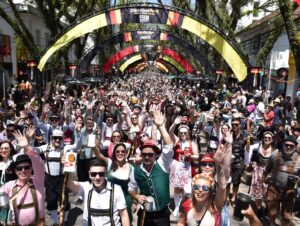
(286,10)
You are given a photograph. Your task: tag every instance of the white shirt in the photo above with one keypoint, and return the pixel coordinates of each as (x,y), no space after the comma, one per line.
(55,167)
(100,200)
(259,110)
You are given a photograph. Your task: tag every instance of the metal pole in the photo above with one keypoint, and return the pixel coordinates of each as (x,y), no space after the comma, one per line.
(3,77)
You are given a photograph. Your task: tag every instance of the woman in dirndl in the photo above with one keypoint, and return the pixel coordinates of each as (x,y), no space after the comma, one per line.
(260,153)
(185,151)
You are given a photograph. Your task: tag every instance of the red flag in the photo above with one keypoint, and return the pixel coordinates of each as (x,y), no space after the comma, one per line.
(297,1)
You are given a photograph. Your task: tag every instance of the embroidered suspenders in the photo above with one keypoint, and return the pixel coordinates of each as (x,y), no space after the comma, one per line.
(34,204)
(101,212)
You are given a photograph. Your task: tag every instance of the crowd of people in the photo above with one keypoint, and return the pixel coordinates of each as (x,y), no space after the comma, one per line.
(139,137)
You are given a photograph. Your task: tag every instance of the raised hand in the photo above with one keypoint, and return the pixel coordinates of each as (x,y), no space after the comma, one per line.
(29,132)
(158,118)
(89,105)
(228,137)
(78,127)
(21,139)
(177,120)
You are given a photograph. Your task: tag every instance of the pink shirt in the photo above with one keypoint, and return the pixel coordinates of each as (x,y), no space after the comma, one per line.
(27,216)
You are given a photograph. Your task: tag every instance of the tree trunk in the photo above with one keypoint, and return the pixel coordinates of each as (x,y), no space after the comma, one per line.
(290,27)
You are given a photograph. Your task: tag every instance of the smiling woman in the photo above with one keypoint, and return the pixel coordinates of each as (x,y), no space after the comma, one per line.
(200,210)
(6,152)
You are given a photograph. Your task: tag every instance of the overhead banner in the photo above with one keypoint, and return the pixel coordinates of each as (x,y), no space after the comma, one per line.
(118,56)
(130,61)
(155,14)
(141,35)
(183,46)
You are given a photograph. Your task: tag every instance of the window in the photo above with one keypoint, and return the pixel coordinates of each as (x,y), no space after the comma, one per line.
(256,43)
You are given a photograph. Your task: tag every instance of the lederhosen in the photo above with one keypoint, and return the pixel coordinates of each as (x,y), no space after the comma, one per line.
(21,206)
(237,165)
(292,180)
(283,189)
(101,212)
(54,184)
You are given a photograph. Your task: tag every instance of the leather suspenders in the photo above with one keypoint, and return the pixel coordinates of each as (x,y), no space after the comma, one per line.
(52,159)
(34,204)
(101,212)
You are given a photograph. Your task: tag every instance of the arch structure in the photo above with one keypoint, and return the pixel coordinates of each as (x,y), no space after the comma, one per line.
(143,36)
(180,62)
(154,14)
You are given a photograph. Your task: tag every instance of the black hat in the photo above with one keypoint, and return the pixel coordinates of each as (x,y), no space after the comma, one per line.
(291,139)
(20,158)
(185,113)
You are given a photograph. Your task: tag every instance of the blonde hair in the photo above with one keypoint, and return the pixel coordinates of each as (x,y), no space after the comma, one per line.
(211,182)
(205,177)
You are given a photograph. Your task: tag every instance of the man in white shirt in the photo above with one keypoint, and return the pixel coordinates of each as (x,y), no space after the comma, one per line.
(104,203)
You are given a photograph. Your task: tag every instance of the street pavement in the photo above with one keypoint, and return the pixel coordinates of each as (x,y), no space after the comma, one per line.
(75,216)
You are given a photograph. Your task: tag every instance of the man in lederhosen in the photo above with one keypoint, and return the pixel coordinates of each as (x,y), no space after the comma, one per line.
(27,193)
(104,202)
(282,175)
(53,167)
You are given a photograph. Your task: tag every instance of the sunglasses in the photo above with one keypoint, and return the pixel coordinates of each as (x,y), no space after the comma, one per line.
(235,124)
(208,164)
(150,155)
(143,135)
(197,187)
(20,168)
(54,120)
(120,151)
(57,138)
(267,138)
(94,174)
(182,133)
(133,117)
(289,145)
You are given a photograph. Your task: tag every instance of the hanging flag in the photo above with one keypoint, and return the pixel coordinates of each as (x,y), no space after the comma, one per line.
(298,2)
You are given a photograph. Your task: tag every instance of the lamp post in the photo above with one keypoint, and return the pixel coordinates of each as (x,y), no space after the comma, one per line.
(72,68)
(219,73)
(254,71)
(31,64)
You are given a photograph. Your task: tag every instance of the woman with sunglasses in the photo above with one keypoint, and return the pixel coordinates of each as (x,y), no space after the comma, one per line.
(208,166)
(118,172)
(7,151)
(136,124)
(258,155)
(185,151)
(206,204)
(116,137)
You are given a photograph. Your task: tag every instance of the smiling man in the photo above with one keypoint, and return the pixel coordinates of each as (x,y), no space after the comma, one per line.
(27,193)
(104,203)
(151,178)
(283,167)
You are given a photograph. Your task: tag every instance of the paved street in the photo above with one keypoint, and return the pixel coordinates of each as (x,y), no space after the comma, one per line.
(75,217)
